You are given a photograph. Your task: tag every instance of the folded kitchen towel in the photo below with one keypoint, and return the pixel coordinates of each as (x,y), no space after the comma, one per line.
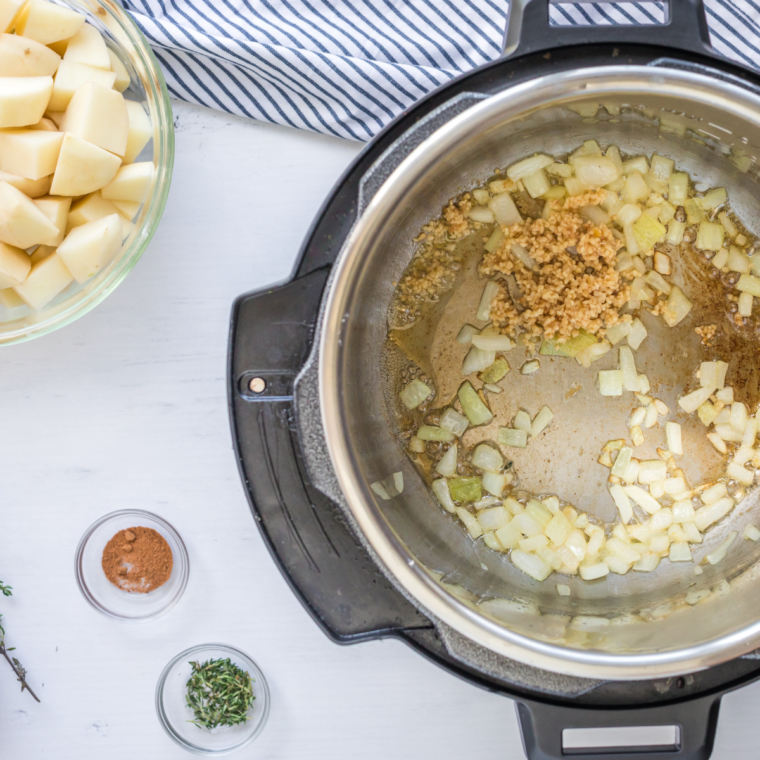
(348,67)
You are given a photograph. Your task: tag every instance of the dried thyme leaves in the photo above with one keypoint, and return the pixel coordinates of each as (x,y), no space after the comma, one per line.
(219,693)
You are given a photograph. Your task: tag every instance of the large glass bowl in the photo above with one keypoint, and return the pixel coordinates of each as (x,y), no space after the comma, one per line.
(148,87)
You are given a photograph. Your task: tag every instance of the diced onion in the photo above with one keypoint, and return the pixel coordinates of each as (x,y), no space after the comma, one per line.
(504,210)
(714,198)
(595,171)
(521,253)
(739,416)
(466,334)
(657,281)
(493,518)
(595,214)
(481,214)
(678,306)
(714,493)
(622,502)
(727,433)
(673,435)
(621,463)
(518,439)
(492,388)
(379,489)
(726,395)
(610,382)
(495,240)
(447,466)
(414,394)
(738,261)
(528,166)
(617,332)
(749,284)
(678,188)
(470,522)
(481,195)
(477,360)
(651,470)
(522,421)
(531,564)
(432,433)
(492,341)
(720,259)
(647,564)
(737,472)
(440,488)
(541,421)
(593,571)
(628,368)
(637,334)
(477,412)
(537,184)
(691,401)
(680,553)
(494,483)
(719,554)
(712,374)
(454,422)
(563,590)
(751,533)
(745,304)
(675,232)
(728,225)
(710,236)
(465,489)
(709,514)
(486,458)
(643,499)
(489,293)
(530,367)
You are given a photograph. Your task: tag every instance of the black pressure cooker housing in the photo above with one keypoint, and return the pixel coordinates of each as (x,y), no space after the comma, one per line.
(271,337)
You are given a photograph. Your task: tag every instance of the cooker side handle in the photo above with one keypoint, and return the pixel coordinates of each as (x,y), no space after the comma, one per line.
(543,726)
(529,29)
(271,336)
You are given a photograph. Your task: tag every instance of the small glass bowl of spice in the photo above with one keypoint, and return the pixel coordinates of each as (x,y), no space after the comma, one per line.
(212,699)
(132,565)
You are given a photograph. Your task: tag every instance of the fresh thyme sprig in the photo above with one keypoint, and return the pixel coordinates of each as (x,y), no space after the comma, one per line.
(18,668)
(219,693)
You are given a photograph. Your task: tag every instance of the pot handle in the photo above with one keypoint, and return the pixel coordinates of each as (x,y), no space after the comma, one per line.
(529,29)
(271,337)
(682,731)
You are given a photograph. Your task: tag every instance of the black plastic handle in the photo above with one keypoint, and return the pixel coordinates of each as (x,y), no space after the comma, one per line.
(542,727)
(270,340)
(529,29)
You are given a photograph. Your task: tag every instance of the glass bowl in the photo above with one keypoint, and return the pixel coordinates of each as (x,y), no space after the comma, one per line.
(175,716)
(148,87)
(126,606)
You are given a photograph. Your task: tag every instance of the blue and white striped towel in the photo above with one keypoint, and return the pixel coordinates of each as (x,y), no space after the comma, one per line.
(348,67)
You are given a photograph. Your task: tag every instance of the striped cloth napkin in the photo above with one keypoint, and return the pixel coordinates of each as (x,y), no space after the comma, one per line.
(348,67)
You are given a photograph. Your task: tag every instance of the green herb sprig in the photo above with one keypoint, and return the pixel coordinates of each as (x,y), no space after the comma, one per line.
(18,668)
(219,693)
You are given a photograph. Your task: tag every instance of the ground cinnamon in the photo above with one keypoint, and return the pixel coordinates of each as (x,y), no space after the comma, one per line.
(138,560)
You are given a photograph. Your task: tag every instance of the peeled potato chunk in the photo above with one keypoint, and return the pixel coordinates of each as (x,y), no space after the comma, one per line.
(70,77)
(23,100)
(14,266)
(44,125)
(22,57)
(33,188)
(57,211)
(47,278)
(46,22)
(21,223)
(82,168)
(42,252)
(128,209)
(122,75)
(99,115)
(88,46)
(55,116)
(131,183)
(140,131)
(9,11)
(89,248)
(89,209)
(29,153)
(9,299)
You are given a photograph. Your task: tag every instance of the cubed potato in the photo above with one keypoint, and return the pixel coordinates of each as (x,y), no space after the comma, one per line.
(9,12)
(44,125)
(99,115)
(89,248)
(46,22)
(122,75)
(23,100)
(82,168)
(57,210)
(60,46)
(70,77)
(34,188)
(9,299)
(45,281)
(42,252)
(140,131)
(55,116)
(88,46)
(131,183)
(89,209)
(22,57)
(29,153)
(14,266)
(21,223)
(128,209)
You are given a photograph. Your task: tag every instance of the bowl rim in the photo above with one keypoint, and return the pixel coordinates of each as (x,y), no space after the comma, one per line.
(184,566)
(157,97)
(256,672)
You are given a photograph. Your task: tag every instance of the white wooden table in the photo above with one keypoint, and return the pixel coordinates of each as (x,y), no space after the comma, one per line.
(127,408)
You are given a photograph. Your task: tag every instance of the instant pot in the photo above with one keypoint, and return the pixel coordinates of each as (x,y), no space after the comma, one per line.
(312,428)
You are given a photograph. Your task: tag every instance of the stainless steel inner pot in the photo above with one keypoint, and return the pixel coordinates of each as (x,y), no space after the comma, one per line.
(711,127)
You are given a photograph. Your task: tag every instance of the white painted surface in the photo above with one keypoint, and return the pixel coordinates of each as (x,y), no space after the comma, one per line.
(127,408)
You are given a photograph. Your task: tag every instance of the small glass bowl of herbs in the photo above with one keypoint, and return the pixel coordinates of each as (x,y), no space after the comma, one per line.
(212,699)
